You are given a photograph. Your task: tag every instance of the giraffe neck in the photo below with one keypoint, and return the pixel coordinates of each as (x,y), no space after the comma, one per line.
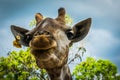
(62,73)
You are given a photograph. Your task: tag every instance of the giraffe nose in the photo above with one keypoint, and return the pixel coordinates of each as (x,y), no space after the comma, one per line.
(42,33)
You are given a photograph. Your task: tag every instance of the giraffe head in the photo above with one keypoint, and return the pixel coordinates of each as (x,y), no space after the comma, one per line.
(49,41)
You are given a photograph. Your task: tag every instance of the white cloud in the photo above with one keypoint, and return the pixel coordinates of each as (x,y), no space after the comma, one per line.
(100,42)
(96,8)
(102,36)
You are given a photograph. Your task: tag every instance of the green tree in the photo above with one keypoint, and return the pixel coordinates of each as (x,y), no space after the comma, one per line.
(20,65)
(95,69)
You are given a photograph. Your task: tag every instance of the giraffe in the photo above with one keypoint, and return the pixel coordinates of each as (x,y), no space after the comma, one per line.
(50,40)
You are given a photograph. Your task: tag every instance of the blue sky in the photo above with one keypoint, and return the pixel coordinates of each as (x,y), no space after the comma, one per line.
(103,40)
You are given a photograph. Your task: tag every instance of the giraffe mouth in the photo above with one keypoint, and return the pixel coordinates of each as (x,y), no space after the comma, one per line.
(43,42)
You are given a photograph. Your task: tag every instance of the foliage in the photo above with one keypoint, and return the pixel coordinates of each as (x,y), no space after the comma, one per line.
(32,23)
(20,66)
(68,20)
(95,69)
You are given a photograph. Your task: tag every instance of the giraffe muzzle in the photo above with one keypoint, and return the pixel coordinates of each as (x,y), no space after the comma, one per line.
(42,41)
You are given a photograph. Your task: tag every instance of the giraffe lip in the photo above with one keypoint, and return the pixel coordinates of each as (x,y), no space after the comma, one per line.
(43,47)
(37,48)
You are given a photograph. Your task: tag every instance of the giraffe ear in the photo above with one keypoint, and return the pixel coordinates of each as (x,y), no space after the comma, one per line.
(80,30)
(20,35)
(38,18)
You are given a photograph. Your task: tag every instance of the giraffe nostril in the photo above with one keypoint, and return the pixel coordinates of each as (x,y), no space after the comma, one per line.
(46,33)
(42,33)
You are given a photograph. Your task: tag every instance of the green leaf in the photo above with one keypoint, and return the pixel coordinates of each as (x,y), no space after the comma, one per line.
(87,70)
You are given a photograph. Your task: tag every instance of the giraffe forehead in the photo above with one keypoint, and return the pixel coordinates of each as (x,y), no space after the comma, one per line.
(44,24)
(50,23)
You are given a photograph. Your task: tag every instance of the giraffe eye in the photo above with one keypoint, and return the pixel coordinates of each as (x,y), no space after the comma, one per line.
(69,34)
(28,37)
